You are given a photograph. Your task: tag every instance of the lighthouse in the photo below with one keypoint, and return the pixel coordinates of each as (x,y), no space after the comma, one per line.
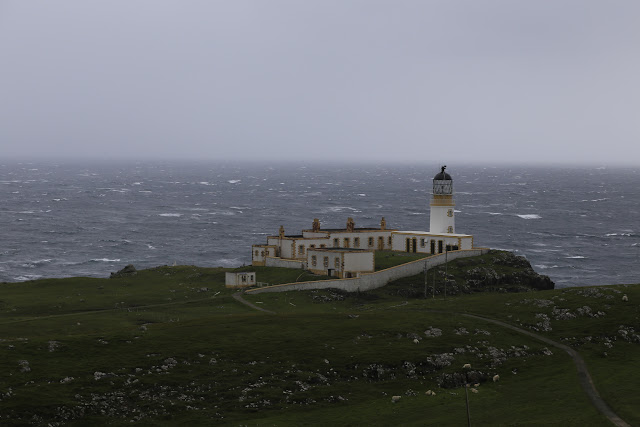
(442,220)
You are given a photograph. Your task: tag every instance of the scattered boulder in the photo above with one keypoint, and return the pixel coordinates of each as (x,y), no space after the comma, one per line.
(460,379)
(128,271)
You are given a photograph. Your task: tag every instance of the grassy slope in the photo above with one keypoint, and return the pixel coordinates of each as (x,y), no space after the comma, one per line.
(176,348)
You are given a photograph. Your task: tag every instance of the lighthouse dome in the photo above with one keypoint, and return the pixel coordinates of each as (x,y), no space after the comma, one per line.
(442,175)
(442,183)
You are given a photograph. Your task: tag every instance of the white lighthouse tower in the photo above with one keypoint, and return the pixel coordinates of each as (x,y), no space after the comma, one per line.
(442,219)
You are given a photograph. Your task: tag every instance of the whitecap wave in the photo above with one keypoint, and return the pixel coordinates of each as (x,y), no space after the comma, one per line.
(177,215)
(33,264)
(342,208)
(575,257)
(105,260)
(234,181)
(595,200)
(529,216)
(27,277)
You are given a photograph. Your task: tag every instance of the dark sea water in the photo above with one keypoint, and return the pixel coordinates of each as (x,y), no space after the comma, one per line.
(580,226)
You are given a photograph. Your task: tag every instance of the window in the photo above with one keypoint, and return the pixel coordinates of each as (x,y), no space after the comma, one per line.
(389,240)
(450,213)
(301,249)
(326,261)
(336,243)
(257,253)
(422,244)
(356,242)
(336,263)
(440,248)
(370,241)
(312,246)
(314,260)
(346,242)
(323,246)
(450,229)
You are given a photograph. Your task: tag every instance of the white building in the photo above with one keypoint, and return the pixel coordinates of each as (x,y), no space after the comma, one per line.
(239,279)
(341,262)
(355,246)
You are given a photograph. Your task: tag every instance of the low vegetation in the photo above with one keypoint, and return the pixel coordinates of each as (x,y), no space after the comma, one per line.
(171,345)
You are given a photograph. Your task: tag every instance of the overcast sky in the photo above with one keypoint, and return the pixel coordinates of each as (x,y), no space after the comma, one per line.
(404,81)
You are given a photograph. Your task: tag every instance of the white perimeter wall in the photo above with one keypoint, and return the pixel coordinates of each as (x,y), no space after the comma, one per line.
(372,280)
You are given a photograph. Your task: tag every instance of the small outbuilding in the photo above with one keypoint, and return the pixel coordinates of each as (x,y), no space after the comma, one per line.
(240,279)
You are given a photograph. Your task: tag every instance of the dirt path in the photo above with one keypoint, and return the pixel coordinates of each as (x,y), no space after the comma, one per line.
(586,382)
(238,296)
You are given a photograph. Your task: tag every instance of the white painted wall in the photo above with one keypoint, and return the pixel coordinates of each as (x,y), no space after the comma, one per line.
(307,244)
(364,238)
(440,221)
(314,234)
(260,252)
(285,263)
(240,278)
(359,261)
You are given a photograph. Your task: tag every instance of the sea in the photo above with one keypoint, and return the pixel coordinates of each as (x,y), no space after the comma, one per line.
(578,225)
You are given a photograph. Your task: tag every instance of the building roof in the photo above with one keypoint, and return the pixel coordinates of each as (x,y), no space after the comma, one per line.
(337,230)
(339,250)
(442,176)
(427,233)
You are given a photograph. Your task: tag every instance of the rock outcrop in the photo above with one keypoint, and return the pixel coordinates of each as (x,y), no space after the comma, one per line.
(128,271)
(497,271)
(507,271)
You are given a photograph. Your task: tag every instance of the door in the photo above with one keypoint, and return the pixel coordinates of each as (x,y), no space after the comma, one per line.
(380,243)
(415,244)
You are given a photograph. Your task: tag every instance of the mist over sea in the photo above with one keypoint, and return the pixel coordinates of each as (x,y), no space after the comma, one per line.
(579,225)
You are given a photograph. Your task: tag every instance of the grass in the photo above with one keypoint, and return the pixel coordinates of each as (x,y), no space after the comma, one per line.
(388,259)
(171,346)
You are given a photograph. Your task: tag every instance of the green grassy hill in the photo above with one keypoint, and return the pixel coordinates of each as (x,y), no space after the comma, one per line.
(171,346)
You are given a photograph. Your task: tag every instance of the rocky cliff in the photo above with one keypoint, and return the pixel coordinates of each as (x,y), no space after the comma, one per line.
(497,271)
